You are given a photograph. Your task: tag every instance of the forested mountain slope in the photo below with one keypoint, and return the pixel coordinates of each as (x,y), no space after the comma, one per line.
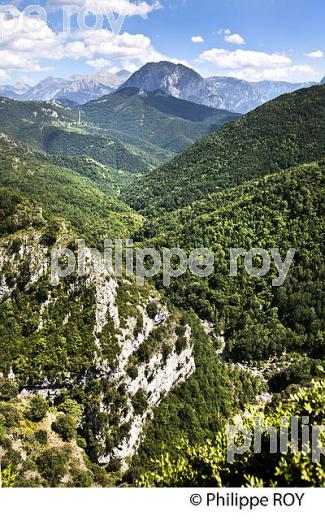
(128,131)
(66,193)
(98,376)
(85,364)
(57,128)
(143,118)
(284,211)
(285,132)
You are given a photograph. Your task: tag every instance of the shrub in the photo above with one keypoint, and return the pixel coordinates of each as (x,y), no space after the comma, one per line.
(8,390)
(114,466)
(152,310)
(132,372)
(80,479)
(52,465)
(140,402)
(181,345)
(37,409)
(41,436)
(65,426)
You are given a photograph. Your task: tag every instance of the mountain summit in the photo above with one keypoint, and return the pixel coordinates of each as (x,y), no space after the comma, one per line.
(226,93)
(175,80)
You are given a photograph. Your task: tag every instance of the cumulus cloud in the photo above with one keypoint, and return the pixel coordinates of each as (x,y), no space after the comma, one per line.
(24,47)
(294,73)
(315,54)
(235,39)
(120,7)
(100,63)
(257,66)
(32,43)
(231,37)
(110,46)
(197,39)
(240,58)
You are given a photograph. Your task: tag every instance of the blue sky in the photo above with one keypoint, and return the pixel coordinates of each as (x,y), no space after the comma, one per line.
(249,39)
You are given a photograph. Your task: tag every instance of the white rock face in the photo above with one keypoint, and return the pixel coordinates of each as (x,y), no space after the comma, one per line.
(155,378)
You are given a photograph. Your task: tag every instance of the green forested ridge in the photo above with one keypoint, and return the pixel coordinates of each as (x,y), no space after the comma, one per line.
(284,132)
(125,131)
(104,149)
(274,336)
(284,210)
(152,118)
(66,193)
(54,128)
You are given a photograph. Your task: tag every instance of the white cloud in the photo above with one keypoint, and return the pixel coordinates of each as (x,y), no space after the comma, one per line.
(197,39)
(131,67)
(231,37)
(257,66)
(240,58)
(315,54)
(23,48)
(121,7)
(235,39)
(294,73)
(28,48)
(115,47)
(3,75)
(224,31)
(100,63)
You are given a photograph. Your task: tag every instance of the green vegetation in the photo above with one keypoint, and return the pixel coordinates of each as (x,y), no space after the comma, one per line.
(53,128)
(256,182)
(159,124)
(64,193)
(285,132)
(284,211)
(199,407)
(37,409)
(206,465)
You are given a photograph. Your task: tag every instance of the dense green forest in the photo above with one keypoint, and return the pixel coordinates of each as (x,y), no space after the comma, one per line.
(67,193)
(285,132)
(127,131)
(206,465)
(285,210)
(144,119)
(85,363)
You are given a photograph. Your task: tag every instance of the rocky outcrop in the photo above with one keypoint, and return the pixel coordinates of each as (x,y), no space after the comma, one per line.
(122,308)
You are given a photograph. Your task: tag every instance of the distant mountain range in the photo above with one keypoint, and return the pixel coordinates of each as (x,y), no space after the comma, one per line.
(219,92)
(225,93)
(78,89)
(16,91)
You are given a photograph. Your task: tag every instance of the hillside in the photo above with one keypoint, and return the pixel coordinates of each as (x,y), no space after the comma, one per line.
(65,193)
(276,333)
(101,377)
(153,118)
(86,364)
(283,210)
(285,132)
(128,131)
(225,93)
(58,128)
